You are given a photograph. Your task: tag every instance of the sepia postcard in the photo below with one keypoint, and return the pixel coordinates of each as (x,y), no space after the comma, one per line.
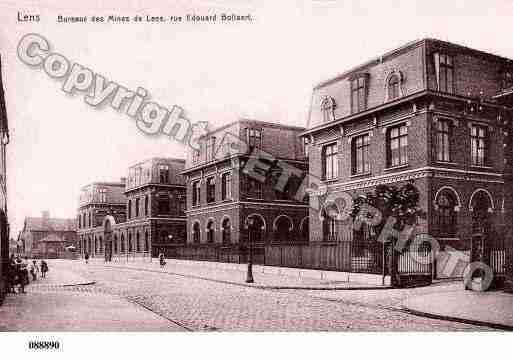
(292,178)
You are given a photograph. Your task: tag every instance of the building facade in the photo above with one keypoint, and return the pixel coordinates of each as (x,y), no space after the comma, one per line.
(37,232)
(96,201)
(227,206)
(432,113)
(155,193)
(4,224)
(137,216)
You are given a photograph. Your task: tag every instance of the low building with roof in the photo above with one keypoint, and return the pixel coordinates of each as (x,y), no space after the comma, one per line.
(40,230)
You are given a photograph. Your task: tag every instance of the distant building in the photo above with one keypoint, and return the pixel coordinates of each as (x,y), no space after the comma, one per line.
(4,226)
(225,205)
(138,216)
(38,232)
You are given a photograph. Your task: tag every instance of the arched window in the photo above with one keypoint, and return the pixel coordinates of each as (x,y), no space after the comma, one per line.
(481,206)
(196,233)
(256,228)
(330,215)
(210,232)
(137,242)
(130,241)
(146,242)
(446,214)
(226,227)
(283,229)
(393,86)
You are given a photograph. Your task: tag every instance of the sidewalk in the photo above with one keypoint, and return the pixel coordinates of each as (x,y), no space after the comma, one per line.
(494,308)
(265,277)
(48,306)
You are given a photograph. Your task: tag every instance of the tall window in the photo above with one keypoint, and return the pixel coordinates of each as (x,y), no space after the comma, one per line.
(254,136)
(163,203)
(137,203)
(196,192)
(226,186)
(211,142)
(211,189)
(146,205)
(253,187)
(129,209)
(306,143)
(164,173)
(398,146)
(180,204)
(393,87)
(446,216)
(358,94)
(195,156)
(445,69)
(478,144)
(330,215)
(330,161)
(443,136)
(361,162)
(102,195)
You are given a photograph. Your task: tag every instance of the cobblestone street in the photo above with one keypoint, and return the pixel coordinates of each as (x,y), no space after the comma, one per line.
(202,305)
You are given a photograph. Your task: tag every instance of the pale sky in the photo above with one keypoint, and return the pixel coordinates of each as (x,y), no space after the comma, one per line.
(217,72)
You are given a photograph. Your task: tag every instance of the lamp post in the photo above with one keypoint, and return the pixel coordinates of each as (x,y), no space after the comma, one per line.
(249,275)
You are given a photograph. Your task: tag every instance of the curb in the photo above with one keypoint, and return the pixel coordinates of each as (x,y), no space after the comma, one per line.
(457,319)
(257,286)
(77,284)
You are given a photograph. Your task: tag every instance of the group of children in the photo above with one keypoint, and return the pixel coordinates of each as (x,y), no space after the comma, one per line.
(20,269)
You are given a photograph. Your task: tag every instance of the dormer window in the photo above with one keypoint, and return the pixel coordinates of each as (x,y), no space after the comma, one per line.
(164,173)
(393,85)
(254,136)
(444,68)
(327,109)
(359,93)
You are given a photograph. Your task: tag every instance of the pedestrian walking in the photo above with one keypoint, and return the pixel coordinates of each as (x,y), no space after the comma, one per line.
(32,270)
(44,269)
(86,257)
(162,260)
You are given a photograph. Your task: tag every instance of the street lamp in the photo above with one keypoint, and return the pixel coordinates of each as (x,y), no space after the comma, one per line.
(249,275)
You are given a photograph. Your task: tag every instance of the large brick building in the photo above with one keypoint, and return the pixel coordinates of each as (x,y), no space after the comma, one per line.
(4,227)
(221,197)
(430,112)
(138,215)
